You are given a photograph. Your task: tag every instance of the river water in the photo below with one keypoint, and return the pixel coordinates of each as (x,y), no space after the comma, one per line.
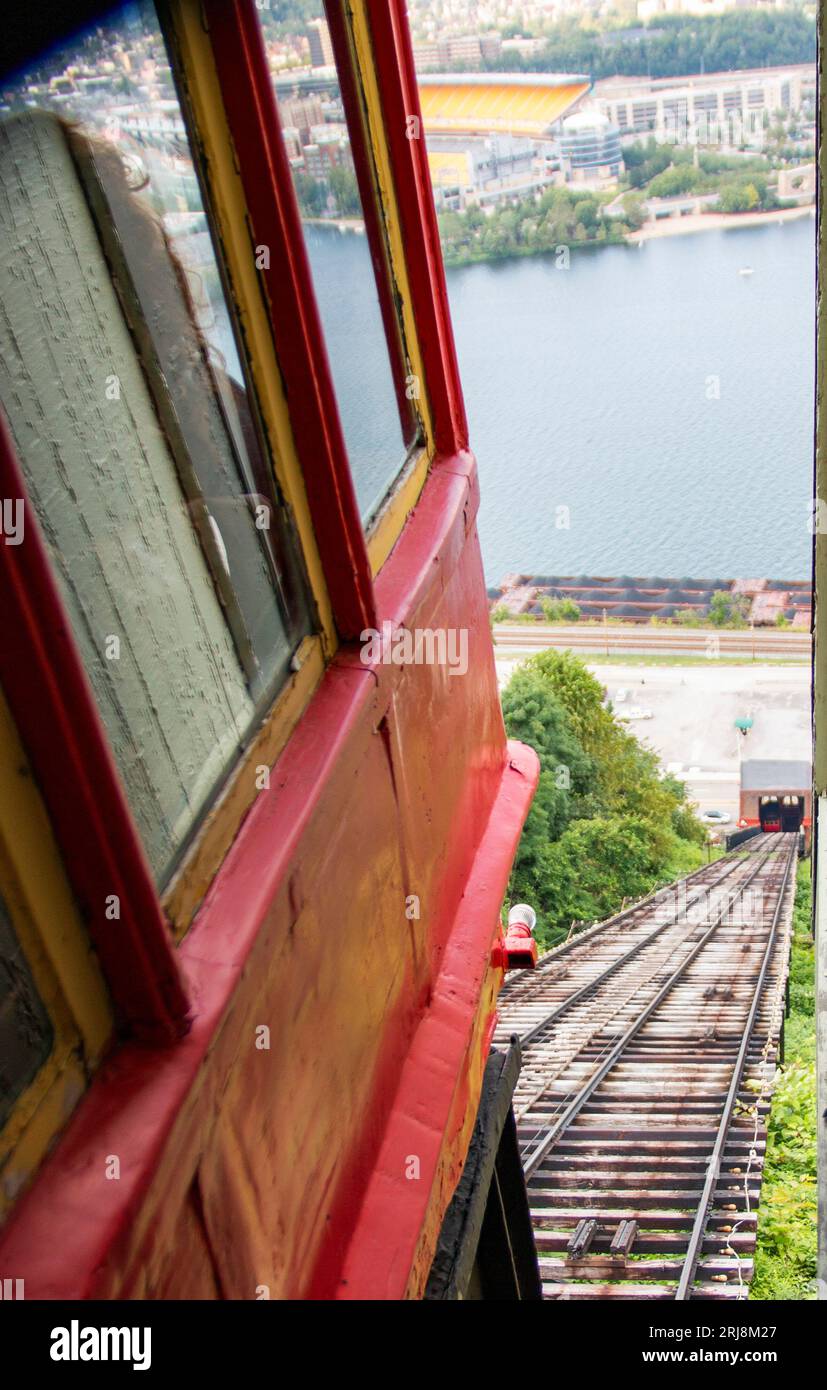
(643,412)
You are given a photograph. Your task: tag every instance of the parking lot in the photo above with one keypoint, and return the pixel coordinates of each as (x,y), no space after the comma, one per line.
(694,709)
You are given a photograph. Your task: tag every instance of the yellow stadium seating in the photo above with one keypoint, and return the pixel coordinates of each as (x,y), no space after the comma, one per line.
(477,108)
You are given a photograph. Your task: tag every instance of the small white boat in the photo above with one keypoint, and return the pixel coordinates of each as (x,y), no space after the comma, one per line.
(746,270)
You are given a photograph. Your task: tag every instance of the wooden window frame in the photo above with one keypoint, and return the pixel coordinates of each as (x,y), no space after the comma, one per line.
(376,66)
(52,704)
(63,967)
(41,672)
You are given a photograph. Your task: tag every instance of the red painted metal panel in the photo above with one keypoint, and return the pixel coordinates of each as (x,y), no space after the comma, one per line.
(396,75)
(54,708)
(252,114)
(435,1098)
(387,787)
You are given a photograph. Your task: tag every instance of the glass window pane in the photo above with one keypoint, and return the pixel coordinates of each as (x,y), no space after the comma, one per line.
(138,436)
(26,1034)
(364,348)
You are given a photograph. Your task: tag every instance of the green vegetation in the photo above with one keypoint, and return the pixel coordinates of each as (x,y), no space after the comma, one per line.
(725,610)
(560,610)
(662,170)
(560,219)
(672,45)
(311,194)
(728,610)
(281,19)
(339,194)
(604,825)
(785,1258)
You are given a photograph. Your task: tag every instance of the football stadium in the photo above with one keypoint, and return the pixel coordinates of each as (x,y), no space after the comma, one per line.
(527,104)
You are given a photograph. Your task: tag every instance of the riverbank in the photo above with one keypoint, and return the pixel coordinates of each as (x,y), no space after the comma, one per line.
(650,231)
(342,224)
(715,222)
(514,253)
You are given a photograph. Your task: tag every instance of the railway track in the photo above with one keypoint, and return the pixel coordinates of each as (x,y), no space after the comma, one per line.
(649,1046)
(631,637)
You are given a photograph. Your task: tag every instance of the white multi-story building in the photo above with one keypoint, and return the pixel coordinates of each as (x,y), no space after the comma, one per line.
(706,105)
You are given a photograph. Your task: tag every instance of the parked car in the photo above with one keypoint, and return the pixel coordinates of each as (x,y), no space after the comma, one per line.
(716,817)
(635,712)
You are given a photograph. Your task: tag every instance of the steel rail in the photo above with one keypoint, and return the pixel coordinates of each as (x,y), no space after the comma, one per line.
(533,981)
(541,1148)
(588,988)
(714,1165)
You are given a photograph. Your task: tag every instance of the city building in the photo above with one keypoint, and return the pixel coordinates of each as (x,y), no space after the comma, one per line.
(590,148)
(329,150)
(321,47)
(469,172)
(302,113)
(714,108)
(776,795)
(464,51)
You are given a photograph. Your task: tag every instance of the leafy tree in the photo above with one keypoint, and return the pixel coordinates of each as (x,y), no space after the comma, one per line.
(345,191)
(677,179)
(687,617)
(451,227)
(604,823)
(560,610)
(586,211)
(736,198)
(673,45)
(311,195)
(635,213)
(728,610)
(566,773)
(594,865)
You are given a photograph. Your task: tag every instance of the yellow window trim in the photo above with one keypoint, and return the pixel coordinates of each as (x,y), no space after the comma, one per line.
(387,527)
(39,1115)
(216,835)
(230,220)
(61,958)
(228,217)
